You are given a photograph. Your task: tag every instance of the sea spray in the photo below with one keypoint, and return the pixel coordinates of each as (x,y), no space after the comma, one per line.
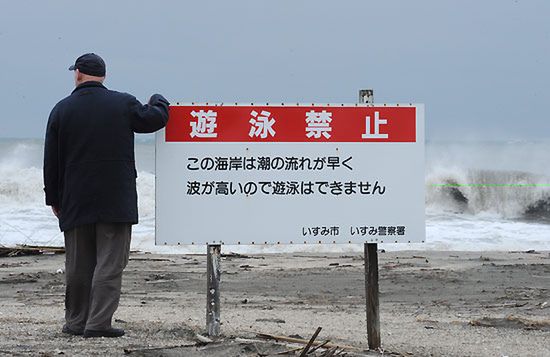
(506,194)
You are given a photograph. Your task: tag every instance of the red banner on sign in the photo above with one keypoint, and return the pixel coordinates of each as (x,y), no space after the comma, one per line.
(209,123)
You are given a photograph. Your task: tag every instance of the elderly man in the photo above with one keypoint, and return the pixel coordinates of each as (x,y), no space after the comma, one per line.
(90,184)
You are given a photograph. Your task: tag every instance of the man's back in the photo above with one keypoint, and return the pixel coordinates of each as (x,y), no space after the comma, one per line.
(95,125)
(89,158)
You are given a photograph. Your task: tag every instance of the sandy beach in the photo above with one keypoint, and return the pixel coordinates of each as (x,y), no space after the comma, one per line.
(432,304)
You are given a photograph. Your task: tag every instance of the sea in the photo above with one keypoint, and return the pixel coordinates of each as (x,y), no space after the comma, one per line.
(480,196)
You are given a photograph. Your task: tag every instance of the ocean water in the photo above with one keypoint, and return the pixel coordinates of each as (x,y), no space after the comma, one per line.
(479,196)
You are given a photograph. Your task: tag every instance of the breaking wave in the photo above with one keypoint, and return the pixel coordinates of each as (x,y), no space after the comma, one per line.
(505,194)
(21,183)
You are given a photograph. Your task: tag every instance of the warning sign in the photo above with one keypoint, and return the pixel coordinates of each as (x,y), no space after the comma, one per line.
(280,174)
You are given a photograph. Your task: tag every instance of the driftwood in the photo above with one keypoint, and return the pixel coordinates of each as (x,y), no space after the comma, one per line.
(151,349)
(319,346)
(333,352)
(152,259)
(301,341)
(289,351)
(514,304)
(512,322)
(310,342)
(20,250)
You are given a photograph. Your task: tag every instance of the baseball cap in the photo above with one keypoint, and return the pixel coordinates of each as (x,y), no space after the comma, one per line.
(90,64)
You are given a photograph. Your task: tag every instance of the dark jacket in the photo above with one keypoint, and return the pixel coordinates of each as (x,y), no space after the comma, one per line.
(89,165)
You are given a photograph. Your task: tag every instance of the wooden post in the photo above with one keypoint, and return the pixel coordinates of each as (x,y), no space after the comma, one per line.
(213,256)
(371,293)
(371,269)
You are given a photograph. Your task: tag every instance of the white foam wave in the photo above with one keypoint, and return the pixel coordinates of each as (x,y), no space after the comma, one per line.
(24,218)
(504,194)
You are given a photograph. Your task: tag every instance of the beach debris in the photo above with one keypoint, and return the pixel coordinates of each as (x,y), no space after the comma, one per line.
(20,250)
(290,339)
(153,259)
(20,279)
(227,272)
(231,255)
(319,346)
(13,265)
(512,322)
(530,251)
(60,271)
(203,339)
(291,351)
(296,336)
(142,350)
(513,304)
(153,277)
(194,262)
(235,255)
(333,352)
(310,342)
(277,321)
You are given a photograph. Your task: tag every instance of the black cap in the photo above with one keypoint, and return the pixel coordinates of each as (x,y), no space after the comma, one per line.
(90,64)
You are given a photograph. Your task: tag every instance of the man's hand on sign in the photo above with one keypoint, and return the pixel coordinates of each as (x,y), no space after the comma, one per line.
(56,211)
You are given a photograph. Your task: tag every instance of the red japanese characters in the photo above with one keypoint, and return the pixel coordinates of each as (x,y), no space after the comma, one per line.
(221,123)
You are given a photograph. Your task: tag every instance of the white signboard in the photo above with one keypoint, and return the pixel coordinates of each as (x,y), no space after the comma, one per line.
(290,174)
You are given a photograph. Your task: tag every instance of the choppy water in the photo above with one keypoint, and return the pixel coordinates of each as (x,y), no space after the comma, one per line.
(479,196)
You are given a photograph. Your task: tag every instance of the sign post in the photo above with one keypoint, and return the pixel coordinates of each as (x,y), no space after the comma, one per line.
(213,258)
(371,269)
(371,288)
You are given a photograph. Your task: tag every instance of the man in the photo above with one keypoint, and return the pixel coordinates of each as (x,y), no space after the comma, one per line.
(90,183)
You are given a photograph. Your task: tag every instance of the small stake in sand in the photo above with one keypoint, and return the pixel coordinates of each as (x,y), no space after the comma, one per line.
(310,342)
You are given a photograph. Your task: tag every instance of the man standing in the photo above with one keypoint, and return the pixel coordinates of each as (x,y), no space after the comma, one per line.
(90,183)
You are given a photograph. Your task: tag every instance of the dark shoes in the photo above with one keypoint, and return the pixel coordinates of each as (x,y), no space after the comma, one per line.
(69,331)
(112,332)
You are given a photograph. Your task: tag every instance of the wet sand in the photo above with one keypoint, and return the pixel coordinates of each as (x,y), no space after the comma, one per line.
(431,304)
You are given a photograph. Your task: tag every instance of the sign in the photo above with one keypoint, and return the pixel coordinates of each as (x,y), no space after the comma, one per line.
(290,174)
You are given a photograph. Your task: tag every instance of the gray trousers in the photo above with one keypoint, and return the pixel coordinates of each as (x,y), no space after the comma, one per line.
(95,256)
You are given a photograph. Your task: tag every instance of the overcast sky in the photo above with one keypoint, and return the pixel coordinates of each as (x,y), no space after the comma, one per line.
(482,68)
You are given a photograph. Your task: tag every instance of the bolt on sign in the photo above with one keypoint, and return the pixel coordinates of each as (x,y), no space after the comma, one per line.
(290,174)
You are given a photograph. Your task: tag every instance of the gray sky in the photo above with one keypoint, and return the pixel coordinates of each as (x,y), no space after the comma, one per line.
(482,68)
